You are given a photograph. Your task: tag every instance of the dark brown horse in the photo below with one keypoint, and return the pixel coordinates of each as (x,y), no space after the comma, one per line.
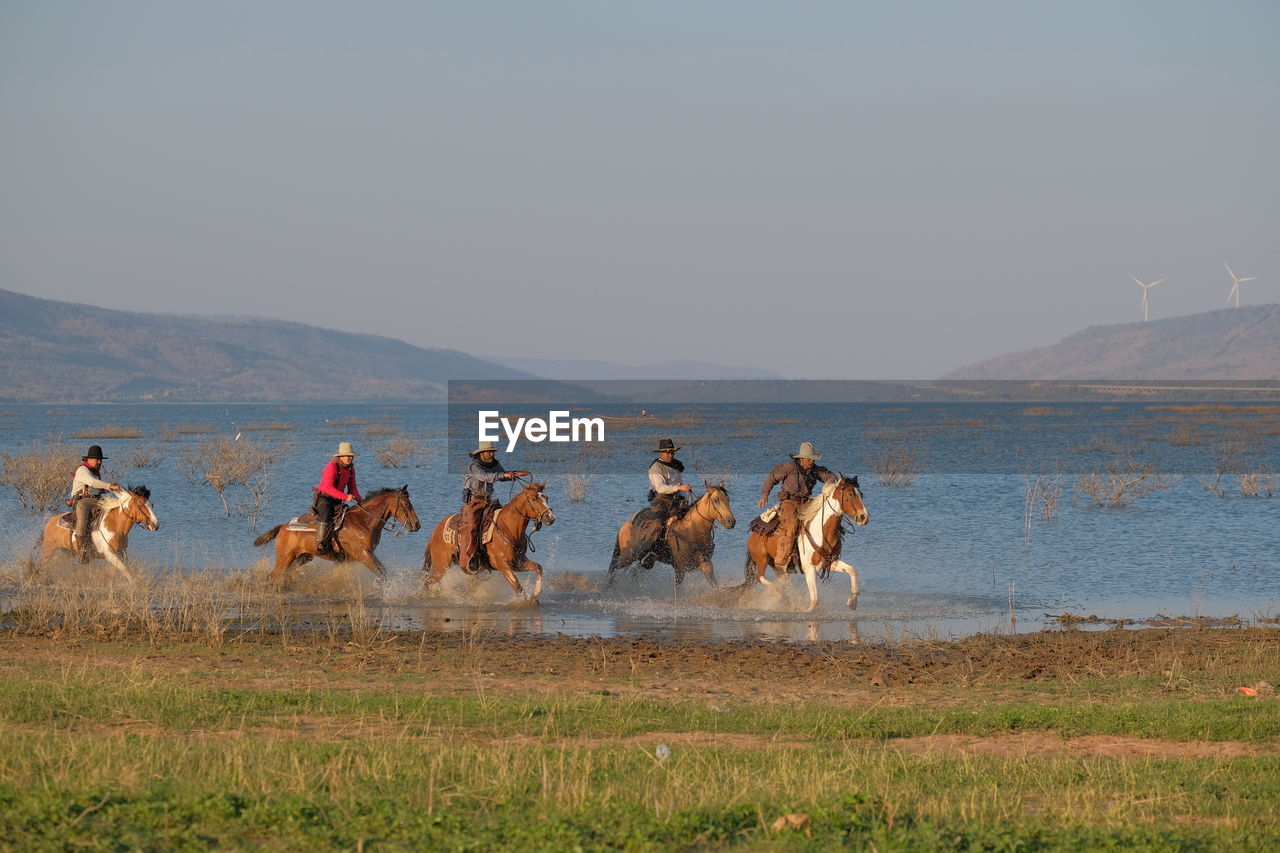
(356,540)
(110,535)
(686,544)
(507,547)
(818,543)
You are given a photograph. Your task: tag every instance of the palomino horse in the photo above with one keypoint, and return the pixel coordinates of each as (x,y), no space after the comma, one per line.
(689,541)
(506,548)
(818,545)
(110,536)
(355,540)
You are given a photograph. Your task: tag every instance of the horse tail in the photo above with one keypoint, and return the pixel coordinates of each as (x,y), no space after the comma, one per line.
(268,536)
(749,569)
(616,558)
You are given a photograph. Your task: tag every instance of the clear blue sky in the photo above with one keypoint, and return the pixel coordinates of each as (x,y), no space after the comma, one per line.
(834,189)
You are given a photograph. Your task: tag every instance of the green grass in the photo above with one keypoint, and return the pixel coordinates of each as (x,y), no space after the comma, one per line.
(132,756)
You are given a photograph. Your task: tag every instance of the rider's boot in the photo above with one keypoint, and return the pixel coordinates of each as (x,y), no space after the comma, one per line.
(322,539)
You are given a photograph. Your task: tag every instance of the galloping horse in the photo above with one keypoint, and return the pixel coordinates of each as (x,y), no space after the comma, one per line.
(688,542)
(506,547)
(355,540)
(110,536)
(818,545)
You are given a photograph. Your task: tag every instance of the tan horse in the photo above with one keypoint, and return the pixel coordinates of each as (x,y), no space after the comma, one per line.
(356,540)
(110,536)
(819,540)
(688,543)
(506,549)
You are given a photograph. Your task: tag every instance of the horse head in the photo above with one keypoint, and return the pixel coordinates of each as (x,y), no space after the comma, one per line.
(532,504)
(135,503)
(849,496)
(718,497)
(403,510)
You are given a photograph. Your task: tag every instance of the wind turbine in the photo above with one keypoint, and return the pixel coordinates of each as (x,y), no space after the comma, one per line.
(1235,288)
(1145,288)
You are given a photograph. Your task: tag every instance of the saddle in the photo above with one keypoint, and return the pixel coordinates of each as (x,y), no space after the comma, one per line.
(67,521)
(487,520)
(766,522)
(307,521)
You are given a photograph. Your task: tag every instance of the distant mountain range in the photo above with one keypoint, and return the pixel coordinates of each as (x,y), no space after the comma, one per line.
(569,369)
(1233,343)
(62,351)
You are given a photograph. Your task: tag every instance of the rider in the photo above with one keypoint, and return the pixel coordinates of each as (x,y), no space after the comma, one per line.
(477,490)
(86,487)
(337,484)
(668,492)
(797,479)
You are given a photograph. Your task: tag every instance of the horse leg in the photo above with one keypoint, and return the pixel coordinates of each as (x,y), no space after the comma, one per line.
(109,555)
(536,568)
(842,566)
(504,569)
(708,572)
(375,565)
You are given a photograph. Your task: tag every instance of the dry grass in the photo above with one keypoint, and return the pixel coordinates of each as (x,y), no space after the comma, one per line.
(896,464)
(1122,482)
(108,432)
(141,456)
(269,426)
(41,474)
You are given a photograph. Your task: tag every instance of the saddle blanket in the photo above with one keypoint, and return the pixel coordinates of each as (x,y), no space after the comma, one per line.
(302,524)
(451,524)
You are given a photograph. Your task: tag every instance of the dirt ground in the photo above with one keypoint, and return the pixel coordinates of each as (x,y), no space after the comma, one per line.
(1197,662)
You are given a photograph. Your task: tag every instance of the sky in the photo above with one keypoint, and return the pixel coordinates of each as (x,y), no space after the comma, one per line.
(825,189)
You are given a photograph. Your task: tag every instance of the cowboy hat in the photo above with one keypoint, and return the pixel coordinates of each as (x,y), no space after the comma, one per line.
(666,444)
(484,445)
(806,452)
(94,452)
(344,449)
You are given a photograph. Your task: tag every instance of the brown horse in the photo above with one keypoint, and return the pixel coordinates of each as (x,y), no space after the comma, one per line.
(110,536)
(356,540)
(506,549)
(688,543)
(818,544)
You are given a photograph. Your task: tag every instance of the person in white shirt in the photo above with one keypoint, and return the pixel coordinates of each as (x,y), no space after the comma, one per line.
(86,488)
(668,491)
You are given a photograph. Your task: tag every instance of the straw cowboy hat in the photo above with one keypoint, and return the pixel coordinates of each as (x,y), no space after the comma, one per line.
(344,449)
(666,444)
(484,445)
(94,452)
(806,452)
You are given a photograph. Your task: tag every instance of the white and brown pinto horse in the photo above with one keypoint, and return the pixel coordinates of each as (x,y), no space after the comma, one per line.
(687,544)
(109,536)
(508,545)
(819,540)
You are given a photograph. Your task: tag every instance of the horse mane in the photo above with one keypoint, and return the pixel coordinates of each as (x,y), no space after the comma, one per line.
(377,493)
(141,491)
(810,507)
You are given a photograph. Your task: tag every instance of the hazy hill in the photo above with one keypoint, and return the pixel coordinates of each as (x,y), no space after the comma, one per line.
(1233,343)
(569,369)
(66,351)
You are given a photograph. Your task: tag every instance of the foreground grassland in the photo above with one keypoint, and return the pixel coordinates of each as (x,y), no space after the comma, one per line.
(377,741)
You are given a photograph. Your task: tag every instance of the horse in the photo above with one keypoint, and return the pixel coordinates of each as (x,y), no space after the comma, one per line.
(506,548)
(686,544)
(818,545)
(355,540)
(110,535)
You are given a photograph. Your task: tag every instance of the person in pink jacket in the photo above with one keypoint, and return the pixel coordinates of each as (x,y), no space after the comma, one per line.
(337,485)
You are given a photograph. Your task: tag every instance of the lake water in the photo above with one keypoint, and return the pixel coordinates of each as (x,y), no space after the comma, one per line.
(948,555)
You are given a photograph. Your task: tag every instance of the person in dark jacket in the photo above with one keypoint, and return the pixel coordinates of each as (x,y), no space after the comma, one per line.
(795,481)
(477,492)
